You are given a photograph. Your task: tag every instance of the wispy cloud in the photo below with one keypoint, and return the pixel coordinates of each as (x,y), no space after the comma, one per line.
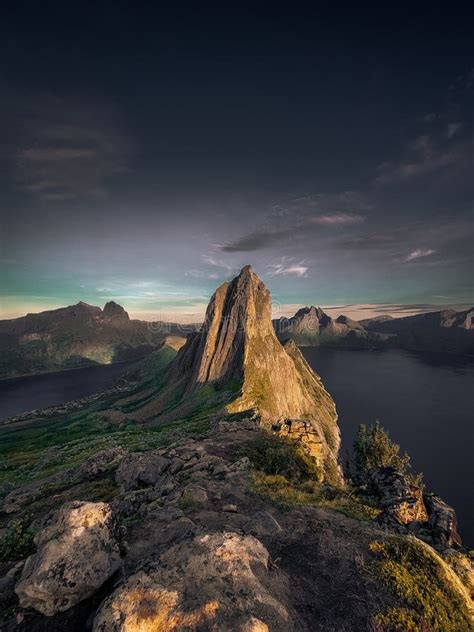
(426,155)
(257,240)
(297,218)
(420,253)
(452,129)
(288,268)
(69,150)
(337,219)
(211,260)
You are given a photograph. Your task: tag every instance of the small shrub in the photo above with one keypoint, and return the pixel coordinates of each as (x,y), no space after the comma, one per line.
(279,456)
(186,501)
(374,448)
(17,542)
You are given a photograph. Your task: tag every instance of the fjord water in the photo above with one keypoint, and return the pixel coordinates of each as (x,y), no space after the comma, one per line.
(424,400)
(21,394)
(426,403)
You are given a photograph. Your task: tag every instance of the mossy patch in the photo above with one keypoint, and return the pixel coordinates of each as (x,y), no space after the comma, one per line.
(415,576)
(16,542)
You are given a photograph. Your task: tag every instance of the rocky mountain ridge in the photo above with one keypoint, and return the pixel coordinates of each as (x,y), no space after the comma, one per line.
(78,335)
(444,331)
(311,326)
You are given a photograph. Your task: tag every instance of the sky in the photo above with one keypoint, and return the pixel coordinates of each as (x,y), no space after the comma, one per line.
(146,158)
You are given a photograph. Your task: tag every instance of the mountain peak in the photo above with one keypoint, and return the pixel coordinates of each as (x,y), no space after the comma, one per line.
(114,310)
(237,349)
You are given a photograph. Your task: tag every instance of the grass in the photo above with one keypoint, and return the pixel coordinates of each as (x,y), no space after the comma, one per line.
(34,450)
(417,579)
(289,477)
(281,456)
(285,493)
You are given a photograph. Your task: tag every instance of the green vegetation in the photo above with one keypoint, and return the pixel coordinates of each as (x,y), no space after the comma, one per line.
(186,501)
(287,493)
(289,477)
(281,456)
(31,451)
(416,578)
(16,542)
(374,448)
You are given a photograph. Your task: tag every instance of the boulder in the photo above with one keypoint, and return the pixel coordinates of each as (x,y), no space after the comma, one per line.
(442,521)
(400,499)
(213,582)
(76,553)
(141,470)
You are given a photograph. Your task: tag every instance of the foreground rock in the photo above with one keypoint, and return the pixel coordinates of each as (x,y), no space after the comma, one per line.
(214,582)
(77,553)
(399,498)
(442,521)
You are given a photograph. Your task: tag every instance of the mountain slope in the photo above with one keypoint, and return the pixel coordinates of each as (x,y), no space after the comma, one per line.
(447,330)
(311,326)
(236,362)
(73,336)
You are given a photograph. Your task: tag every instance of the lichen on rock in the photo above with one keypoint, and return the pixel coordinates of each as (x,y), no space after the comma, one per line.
(76,553)
(217,581)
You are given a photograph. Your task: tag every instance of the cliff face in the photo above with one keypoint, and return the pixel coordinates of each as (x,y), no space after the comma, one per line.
(237,347)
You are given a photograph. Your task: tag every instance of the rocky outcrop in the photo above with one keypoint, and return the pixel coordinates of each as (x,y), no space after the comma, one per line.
(237,350)
(442,522)
(77,552)
(138,470)
(399,498)
(217,581)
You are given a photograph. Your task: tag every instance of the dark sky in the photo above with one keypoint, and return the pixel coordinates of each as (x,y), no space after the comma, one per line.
(146,158)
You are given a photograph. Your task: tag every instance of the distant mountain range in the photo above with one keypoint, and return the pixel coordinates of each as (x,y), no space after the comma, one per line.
(447,330)
(311,326)
(74,336)
(82,335)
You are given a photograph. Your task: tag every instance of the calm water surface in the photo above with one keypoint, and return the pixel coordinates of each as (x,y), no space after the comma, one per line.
(18,395)
(424,400)
(426,403)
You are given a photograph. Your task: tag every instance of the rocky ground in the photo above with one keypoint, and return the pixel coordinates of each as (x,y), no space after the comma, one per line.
(187,542)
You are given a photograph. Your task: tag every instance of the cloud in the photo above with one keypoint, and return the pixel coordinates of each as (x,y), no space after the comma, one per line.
(70,150)
(287,268)
(420,253)
(452,129)
(254,241)
(374,241)
(300,217)
(337,219)
(426,155)
(211,260)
